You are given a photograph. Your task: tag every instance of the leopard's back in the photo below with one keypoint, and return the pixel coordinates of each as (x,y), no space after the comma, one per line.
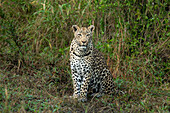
(101,76)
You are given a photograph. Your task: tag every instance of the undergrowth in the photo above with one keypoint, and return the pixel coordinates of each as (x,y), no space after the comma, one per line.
(35,36)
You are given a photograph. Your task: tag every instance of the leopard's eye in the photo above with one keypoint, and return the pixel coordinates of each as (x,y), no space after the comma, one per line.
(79,34)
(88,35)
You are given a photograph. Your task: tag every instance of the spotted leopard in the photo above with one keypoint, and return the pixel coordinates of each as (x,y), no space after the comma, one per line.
(90,74)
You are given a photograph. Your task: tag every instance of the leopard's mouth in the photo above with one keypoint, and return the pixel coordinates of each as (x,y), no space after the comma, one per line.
(82,48)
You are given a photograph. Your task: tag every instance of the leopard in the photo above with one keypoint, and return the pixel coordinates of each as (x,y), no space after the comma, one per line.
(89,70)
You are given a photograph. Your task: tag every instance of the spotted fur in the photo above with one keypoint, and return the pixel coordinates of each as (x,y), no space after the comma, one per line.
(90,74)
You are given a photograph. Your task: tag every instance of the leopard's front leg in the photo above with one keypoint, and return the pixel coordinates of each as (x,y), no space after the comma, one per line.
(84,88)
(76,85)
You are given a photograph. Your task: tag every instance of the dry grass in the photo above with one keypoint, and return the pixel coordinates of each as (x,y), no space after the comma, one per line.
(42,93)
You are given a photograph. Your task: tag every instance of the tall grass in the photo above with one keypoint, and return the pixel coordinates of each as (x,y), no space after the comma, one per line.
(35,36)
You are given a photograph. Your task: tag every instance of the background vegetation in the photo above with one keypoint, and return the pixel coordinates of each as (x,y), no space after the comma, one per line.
(35,36)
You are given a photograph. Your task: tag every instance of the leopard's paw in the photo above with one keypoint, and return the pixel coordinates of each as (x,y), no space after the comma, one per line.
(82,99)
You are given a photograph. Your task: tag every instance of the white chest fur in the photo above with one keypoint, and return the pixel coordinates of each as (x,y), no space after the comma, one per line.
(80,66)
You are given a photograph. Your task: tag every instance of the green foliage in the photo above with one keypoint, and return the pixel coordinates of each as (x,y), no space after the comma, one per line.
(35,36)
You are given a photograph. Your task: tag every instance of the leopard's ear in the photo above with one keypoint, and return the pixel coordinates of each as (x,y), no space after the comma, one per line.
(91,28)
(75,28)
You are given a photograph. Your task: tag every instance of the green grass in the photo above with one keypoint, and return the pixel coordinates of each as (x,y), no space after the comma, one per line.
(34,54)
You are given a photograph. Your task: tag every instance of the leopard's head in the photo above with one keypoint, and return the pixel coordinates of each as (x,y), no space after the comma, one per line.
(83,38)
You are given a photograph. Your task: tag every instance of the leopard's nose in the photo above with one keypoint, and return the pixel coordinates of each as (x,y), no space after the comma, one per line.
(84,41)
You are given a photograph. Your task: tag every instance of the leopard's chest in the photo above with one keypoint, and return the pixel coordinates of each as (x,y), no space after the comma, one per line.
(80,67)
